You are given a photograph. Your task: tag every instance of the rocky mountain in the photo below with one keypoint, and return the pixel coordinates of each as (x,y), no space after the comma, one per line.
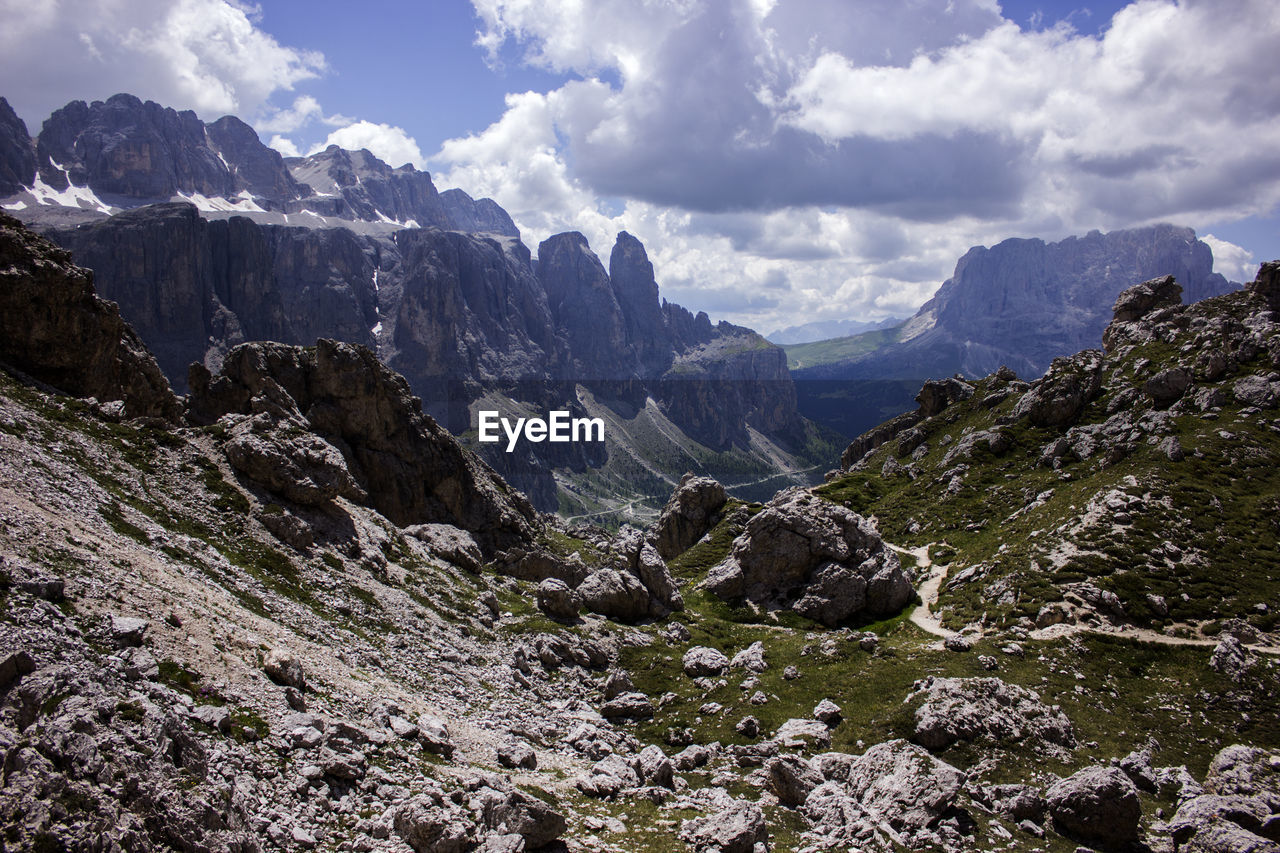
(93,160)
(208,239)
(1019,304)
(303,617)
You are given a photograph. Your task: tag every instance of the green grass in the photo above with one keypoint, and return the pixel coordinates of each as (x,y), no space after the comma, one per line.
(835,350)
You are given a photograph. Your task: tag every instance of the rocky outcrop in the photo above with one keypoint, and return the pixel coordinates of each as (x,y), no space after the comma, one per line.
(895,784)
(481,215)
(688,515)
(737,828)
(17,152)
(412,470)
(357,185)
(585,309)
(814,557)
(985,709)
(194,288)
(1058,398)
(55,329)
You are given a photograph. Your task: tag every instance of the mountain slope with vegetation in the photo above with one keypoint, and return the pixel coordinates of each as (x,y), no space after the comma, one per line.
(297,615)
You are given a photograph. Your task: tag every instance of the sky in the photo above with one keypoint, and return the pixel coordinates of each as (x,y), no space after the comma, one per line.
(783,161)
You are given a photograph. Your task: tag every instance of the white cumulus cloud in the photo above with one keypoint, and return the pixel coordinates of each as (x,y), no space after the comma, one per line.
(854,151)
(207,55)
(389,144)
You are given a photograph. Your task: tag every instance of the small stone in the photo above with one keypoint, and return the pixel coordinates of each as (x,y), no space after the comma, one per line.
(827,712)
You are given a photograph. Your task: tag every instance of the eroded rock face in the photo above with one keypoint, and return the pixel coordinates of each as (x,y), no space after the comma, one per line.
(1059,397)
(821,560)
(688,515)
(54,328)
(412,470)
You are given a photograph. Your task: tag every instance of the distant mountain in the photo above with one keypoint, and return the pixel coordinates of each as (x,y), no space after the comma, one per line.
(208,239)
(93,160)
(1019,304)
(823,330)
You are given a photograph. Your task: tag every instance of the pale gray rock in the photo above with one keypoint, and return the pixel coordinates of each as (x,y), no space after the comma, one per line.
(433,734)
(702,661)
(128,630)
(634,706)
(655,767)
(828,713)
(656,577)
(831,556)
(737,828)
(792,778)
(985,709)
(688,515)
(751,658)
(283,667)
(556,599)
(450,543)
(517,755)
(617,595)
(1096,805)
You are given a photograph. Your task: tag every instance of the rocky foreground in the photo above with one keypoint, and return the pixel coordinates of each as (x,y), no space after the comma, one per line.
(288,611)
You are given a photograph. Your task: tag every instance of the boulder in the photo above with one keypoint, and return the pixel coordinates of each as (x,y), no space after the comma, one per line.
(433,734)
(688,515)
(818,558)
(896,783)
(282,457)
(450,543)
(1140,300)
(1167,387)
(1059,397)
(656,577)
(828,713)
(515,812)
(632,706)
(1096,805)
(517,754)
(558,601)
(751,658)
(701,661)
(937,394)
(128,631)
(429,823)
(985,709)
(737,828)
(616,594)
(283,667)
(792,778)
(655,767)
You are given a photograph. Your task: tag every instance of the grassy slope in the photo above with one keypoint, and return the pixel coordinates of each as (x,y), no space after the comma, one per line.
(838,349)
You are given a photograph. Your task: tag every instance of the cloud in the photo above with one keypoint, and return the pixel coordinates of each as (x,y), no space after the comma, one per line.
(856,154)
(1234,262)
(206,55)
(285,146)
(390,144)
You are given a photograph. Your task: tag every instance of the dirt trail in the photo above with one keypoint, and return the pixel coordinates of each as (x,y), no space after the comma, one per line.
(924,617)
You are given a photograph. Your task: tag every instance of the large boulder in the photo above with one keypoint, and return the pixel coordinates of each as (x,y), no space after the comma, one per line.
(688,515)
(291,462)
(616,594)
(988,710)
(819,559)
(737,828)
(1097,805)
(896,783)
(54,328)
(702,661)
(557,600)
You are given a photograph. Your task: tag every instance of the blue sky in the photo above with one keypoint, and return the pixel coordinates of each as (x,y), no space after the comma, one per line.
(782,160)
